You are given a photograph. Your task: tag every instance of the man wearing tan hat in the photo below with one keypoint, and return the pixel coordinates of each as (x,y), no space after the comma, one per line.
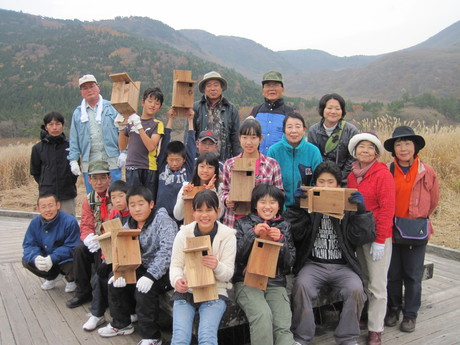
(213,112)
(93,135)
(271,113)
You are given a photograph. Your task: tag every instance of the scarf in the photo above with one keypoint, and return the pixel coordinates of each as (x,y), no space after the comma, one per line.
(103,207)
(84,114)
(360,172)
(333,141)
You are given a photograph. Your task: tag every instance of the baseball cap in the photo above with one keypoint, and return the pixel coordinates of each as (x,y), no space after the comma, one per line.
(272,76)
(98,167)
(86,79)
(207,135)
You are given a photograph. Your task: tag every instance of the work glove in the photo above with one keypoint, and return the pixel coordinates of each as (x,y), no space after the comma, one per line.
(358,199)
(40,263)
(121,162)
(135,121)
(48,263)
(92,245)
(144,284)
(75,168)
(119,122)
(300,193)
(377,251)
(119,283)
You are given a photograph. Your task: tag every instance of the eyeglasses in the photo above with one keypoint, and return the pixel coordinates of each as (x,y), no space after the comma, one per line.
(208,144)
(99,178)
(272,85)
(87,87)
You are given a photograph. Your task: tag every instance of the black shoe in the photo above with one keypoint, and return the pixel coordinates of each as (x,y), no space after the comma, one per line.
(392,317)
(407,325)
(78,300)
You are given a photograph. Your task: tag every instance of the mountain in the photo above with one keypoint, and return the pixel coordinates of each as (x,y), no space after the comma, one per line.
(448,37)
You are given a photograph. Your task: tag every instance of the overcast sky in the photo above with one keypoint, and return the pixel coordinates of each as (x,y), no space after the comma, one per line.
(339,27)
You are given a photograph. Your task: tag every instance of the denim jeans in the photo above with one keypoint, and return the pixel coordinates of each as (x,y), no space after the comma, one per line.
(114,173)
(210,315)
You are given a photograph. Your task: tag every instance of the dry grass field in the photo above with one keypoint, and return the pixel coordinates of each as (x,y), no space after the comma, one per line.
(18,190)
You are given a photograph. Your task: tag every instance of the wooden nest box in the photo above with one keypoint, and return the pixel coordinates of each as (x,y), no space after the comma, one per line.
(330,201)
(199,277)
(183,92)
(188,201)
(242,184)
(262,262)
(125,94)
(121,248)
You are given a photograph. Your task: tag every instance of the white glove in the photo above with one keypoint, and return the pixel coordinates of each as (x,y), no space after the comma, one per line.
(119,283)
(377,251)
(40,263)
(48,263)
(121,162)
(75,168)
(92,245)
(120,122)
(135,121)
(144,284)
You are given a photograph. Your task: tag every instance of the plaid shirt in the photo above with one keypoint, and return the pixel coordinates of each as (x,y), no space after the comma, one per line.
(269,173)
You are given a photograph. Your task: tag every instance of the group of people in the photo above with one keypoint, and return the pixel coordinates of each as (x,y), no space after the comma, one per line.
(356,256)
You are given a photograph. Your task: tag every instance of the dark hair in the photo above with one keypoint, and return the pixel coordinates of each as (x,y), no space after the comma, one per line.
(118,186)
(294,116)
(328,97)
(155,93)
(176,147)
(54,115)
(267,189)
(416,145)
(142,191)
(251,126)
(206,197)
(212,159)
(47,195)
(328,167)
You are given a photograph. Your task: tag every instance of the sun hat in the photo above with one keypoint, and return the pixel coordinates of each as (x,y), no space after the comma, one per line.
(356,139)
(404,132)
(86,79)
(209,76)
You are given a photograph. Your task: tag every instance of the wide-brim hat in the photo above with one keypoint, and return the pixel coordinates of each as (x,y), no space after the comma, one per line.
(98,167)
(87,78)
(209,76)
(356,139)
(404,132)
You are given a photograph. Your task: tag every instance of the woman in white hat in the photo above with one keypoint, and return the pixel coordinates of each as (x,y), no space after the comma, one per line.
(375,182)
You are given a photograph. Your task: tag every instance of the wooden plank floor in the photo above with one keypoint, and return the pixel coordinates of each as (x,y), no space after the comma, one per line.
(29,315)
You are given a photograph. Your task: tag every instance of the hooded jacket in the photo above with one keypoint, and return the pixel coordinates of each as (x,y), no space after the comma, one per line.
(50,168)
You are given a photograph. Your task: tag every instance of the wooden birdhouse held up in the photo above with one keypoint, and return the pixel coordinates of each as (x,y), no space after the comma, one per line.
(242,184)
(188,200)
(331,201)
(125,94)
(183,92)
(121,248)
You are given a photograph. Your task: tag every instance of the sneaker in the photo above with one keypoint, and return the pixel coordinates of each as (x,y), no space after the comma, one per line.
(109,331)
(392,317)
(70,287)
(93,323)
(50,284)
(133,318)
(407,325)
(150,342)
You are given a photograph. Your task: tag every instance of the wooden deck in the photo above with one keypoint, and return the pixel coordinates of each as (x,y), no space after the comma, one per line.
(29,315)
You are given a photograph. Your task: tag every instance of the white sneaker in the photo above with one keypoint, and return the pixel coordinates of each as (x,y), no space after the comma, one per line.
(93,322)
(109,331)
(70,287)
(133,318)
(150,342)
(50,284)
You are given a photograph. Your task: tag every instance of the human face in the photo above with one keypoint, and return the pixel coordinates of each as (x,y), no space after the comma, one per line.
(250,143)
(90,92)
(272,90)
(206,145)
(54,128)
(205,217)
(294,131)
(327,180)
(99,182)
(48,208)
(213,89)
(139,208)
(151,106)
(404,152)
(332,113)
(205,172)
(267,207)
(175,161)
(365,153)
(118,199)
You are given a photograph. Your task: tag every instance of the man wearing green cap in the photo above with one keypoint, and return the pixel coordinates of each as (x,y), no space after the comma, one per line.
(271,113)
(213,112)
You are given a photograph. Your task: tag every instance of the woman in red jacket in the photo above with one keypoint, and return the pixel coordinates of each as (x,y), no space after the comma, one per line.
(375,182)
(417,195)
